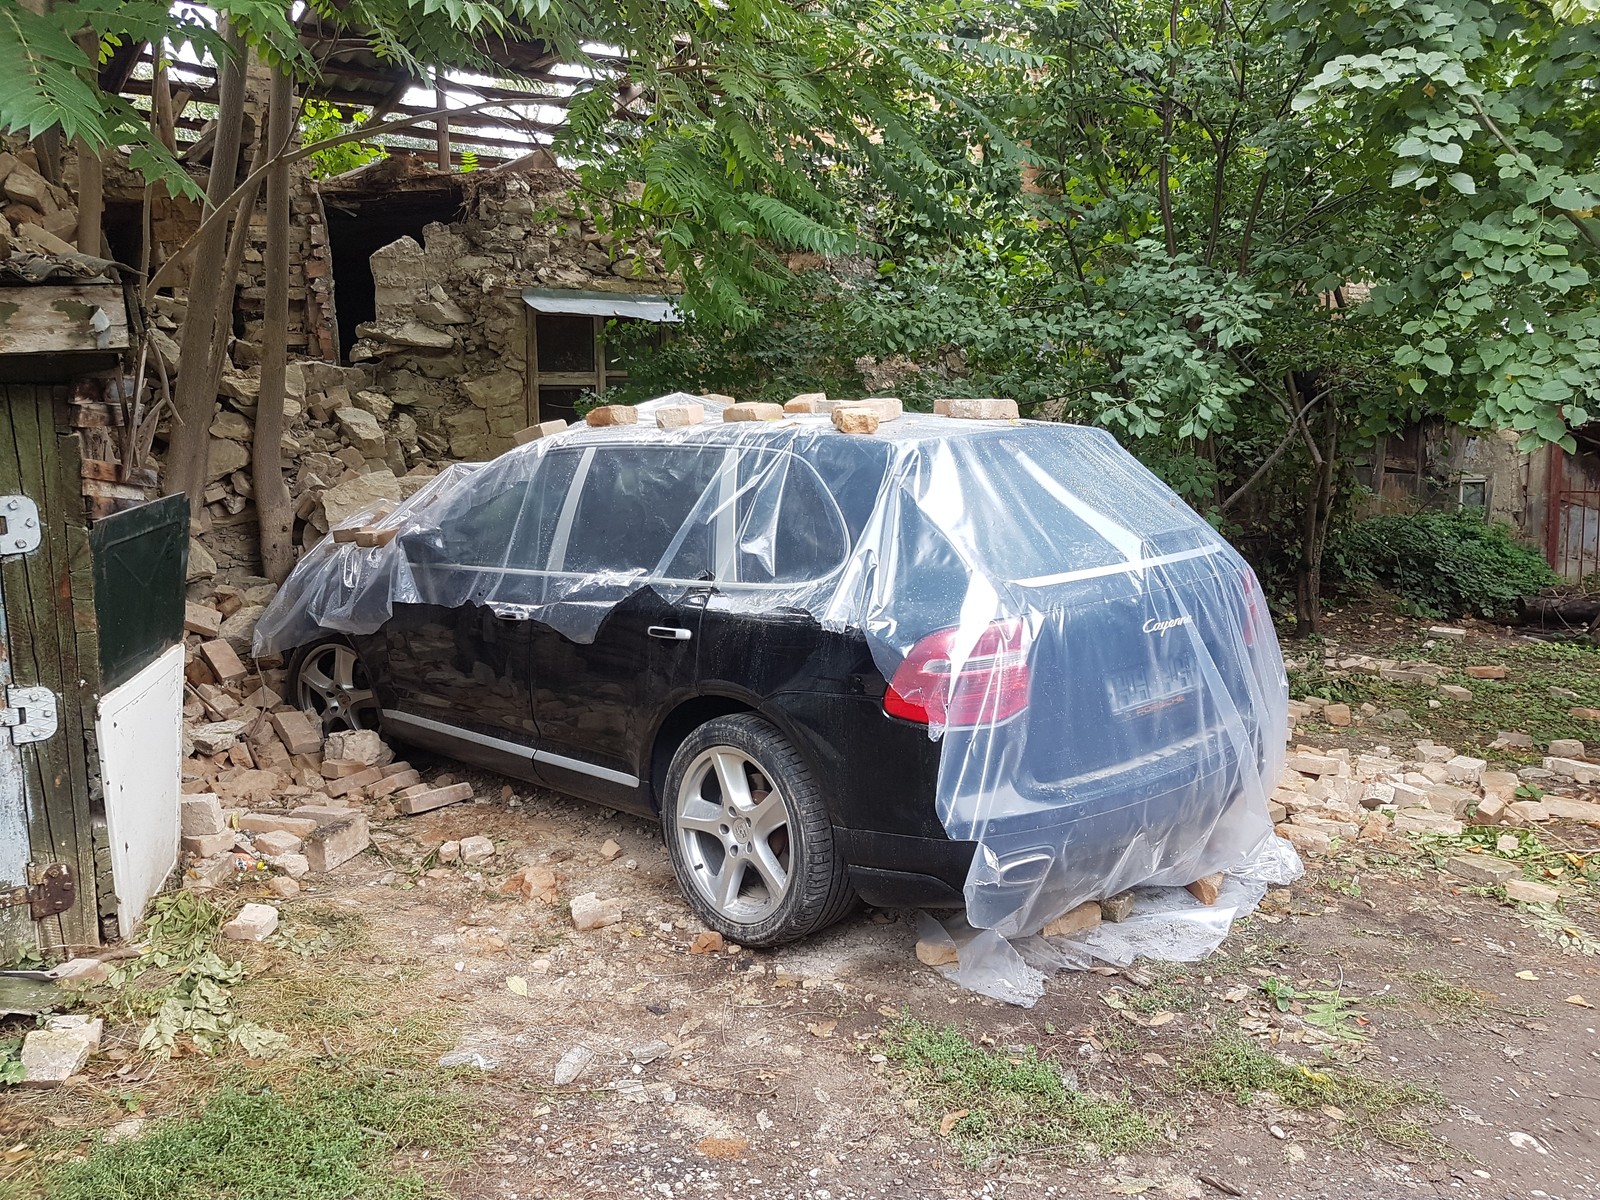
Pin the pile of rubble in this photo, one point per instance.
(263, 789)
(39, 216)
(345, 446)
(1336, 795)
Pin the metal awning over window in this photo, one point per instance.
(602, 304)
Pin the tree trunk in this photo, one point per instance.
(272, 493)
(203, 325)
(1315, 523)
(237, 241)
(163, 120)
(1568, 612)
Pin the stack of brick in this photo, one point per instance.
(1326, 797)
(345, 447)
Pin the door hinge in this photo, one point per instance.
(19, 525)
(50, 890)
(30, 714)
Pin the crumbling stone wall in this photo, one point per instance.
(313, 327)
(438, 375)
(449, 342)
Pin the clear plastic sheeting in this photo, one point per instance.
(1166, 924)
(1096, 661)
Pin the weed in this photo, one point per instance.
(1233, 1065)
(1013, 1101)
(1327, 1009)
(181, 926)
(1440, 994)
(315, 1139)
(11, 1061)
(1331, 1011)
(1281, 992)
(1560, 929)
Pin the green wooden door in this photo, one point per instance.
(50, 649)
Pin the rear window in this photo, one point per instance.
(1042, 503)
(788, 526)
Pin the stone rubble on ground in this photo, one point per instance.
(252, 923)
(54, 1054)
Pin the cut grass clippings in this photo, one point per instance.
(315, 1139)
(1011, 1101)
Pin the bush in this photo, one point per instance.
(1442, 564)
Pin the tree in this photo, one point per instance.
(1230, 246)
(1489, 115)
(274, 509)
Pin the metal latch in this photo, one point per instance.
(50, 890)
(30, 714)
(19, 525)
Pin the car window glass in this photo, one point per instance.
(513, 518)
(635, 503)
(788, 528)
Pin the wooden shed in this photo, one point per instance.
(91, 611)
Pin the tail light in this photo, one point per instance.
(989, 685)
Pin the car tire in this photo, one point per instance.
(328, 681)
(728, 856)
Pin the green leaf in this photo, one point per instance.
(1463, 183)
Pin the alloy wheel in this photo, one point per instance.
(732, 826)
(332, 685)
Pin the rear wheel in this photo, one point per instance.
(328, 680)
(749, 835)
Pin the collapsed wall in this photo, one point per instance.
(449, 342)
(439, 375)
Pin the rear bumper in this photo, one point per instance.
(896, 871)
(1164, 822)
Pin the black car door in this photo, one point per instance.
(634, 563)
(790, 541)
(459, 655)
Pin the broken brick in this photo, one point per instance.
(225, 664)
(433, 798)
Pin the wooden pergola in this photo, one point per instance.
(356, 80)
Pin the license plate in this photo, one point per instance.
(1142, 693)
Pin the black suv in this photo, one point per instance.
(918, 668)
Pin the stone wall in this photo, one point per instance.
(449, 342)
(437, 377)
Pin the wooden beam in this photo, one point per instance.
(441, 129)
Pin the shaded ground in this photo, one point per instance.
(1443, 1046)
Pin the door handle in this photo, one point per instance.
(670, 633)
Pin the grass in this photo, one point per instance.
(346, 1110)
(1233, 1065)
(1450, 999)
(1014, 1102)
(1522, 702)
(311, 1139)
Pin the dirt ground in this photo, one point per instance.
(765, 1074)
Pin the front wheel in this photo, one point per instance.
(328, 680)
(749, 835)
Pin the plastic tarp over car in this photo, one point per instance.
(1096, 660)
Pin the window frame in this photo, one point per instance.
(599, 379)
